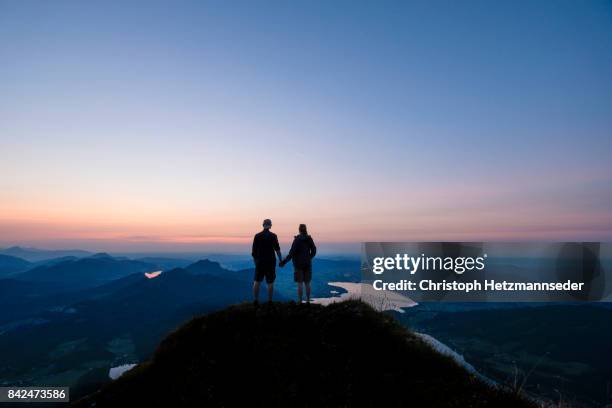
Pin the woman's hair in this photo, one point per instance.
(302, 229)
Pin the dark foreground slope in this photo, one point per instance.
(345, 354)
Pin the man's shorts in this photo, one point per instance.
(267, 270)
(302, 274)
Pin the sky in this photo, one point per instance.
(182, 125)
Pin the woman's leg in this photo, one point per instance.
(299, 292)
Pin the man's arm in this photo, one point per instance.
(277, 249)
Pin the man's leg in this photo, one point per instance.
(307, 292)
(256, 291)
(270, 291)
(299, 292)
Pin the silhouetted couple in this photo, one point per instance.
(266, 249)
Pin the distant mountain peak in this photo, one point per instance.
(206, 262)
(205, 266)
(17, 248)
(101, 255)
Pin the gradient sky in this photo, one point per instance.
(181, 125)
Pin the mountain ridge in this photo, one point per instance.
(36, 254)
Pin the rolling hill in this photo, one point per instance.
(76, 336)
(72, 274)
(10, 265)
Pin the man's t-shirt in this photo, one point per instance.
(265, 245)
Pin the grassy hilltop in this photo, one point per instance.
(345, 354)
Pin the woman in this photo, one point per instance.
(302, 251)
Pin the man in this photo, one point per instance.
(302, 251)
(265, 245)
